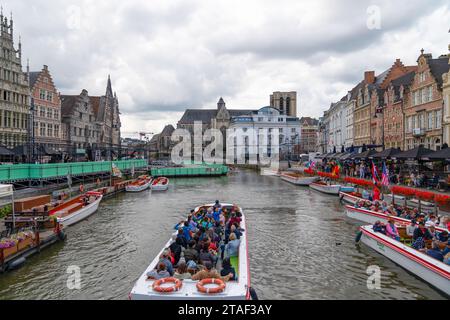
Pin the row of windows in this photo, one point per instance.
(429, 121)
(45, 112)
(10, 119)
(11, 140)
(43, 129)
(423, 95)
(81, 132)
(8, 75)
(13, 97)
(46, 95)
(430, 143)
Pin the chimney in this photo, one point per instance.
(369, 77)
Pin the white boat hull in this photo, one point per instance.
(269, 172)
(160, 187)
(235, 290)
(80, 214)
(427, 268)
(348, 198)
(134, 188)
(304, 181)
(328, 189)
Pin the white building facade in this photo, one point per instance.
(338, 126)
(251, 131)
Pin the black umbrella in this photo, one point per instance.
(386, 154)
(415, 154)
(443, 154)
(364, 155)
(5, 152)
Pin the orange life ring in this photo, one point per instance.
(219, 289)
(157, 285)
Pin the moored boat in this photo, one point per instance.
(77, 209)
(298, 179)
(141, 184)
(368, 216)
(160, 184)
(423, 266)
(350, 197)
(326, 188)
(144, 288)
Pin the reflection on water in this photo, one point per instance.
(301, 245)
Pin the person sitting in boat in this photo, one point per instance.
(191, 254)
(176, 248)
(232, 247)
(210, 273)
(435, 252)
(432, 220)
(228, 269)
(386, 208)
(411, 228)
(391, 230)
(379, 227)
(166, 259)
(159, 273)
(182, 272)
(206, 256)
(446, 251)
(420, 236)
(443, 237)
(216, 214)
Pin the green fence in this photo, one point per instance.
(20, 172)
(206, 170)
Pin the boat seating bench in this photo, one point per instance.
(235, 264)
(70, 209)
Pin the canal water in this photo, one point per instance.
(301, 245)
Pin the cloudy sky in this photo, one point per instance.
(168, 55)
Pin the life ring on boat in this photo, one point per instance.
(157, 285)
(219, 289)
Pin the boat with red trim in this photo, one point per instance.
(423, 266)
(77, 209)
(298, 178)
(160, 184)
(368, 216)
(327, 188)
(146, 289)
(141, 184)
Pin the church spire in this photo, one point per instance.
(109, 92)
(221, 103)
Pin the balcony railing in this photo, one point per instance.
(418, 132)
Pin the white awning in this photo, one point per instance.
(6, 190)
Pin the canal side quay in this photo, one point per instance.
(59, 190)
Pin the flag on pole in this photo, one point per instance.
(374, 174)
(385, 176)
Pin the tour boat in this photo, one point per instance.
(160, 184)
(298, 179)
(77, 209)
(188, 289)
(423, 266)
(269, 172)
(141, 184)
(325, 188)
(368, 216)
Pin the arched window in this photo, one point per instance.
(288, 106)
(282, 105)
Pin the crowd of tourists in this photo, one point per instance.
(421, 233)
(206, 242)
